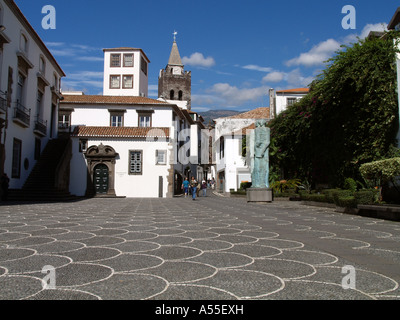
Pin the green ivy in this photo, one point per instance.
(349, 117)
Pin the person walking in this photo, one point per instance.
(204, 188)
(193, 185)
(185, 187)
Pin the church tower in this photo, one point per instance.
(174, 83)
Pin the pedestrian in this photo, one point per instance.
(213, 183)
(193, 185)
(185, 187)
(204, 188)
(5, 181)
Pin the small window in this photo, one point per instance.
(117, 120)
(115, 60)
(38, 148)
(136, 162)
(161, 157)
(127, 82)
(24, 43)
(115, 82)
(180, 95)
(291, 101)
(128, 60)
(42, 65)
(172, 95)
(145, 121)
(64, 120)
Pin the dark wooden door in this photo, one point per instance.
(101, 179)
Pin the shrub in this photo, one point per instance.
(244, 185)
(329, 194)
(350, 184)
(366, 196)
(347, 202)
(313, 197)
(385, 170)
(341, 194)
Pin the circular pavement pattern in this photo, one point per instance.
(212, 248)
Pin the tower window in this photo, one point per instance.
(128, 60)
(180, 95)
(172, 95)
(115, 60)
(115, 82)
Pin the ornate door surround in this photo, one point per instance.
(96, 155)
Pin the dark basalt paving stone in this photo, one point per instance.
(169, 240)
(58, 247)
(10, 236)
(74, 235)
(201, 234)
(245, 284)
(176, 252)
(255, 251)
(308, 290)
(127, 287)
(18, 287)
(136, 246)
(110, 232)
(209, 245)
(34, 263)
(30, 241)
(128, 262)
(284, 269)
(89, 254)
(193, 292)
(175, 271)
(224, 259)
(102, 241)
(63, 294)
(49, 232)
(139, 235)
(7, 254)
(79, 274)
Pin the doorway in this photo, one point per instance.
(101, 175)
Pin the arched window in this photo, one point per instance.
(180, 95)
(172, 95)
(42, 65)
(24, 43)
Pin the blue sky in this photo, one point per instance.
(236, 50)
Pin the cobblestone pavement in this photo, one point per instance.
(213, 248)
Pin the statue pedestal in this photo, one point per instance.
(259, 195)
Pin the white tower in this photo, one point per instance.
(125, 72)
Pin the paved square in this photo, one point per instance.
(211, 248)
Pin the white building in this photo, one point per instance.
(127, 146)
(281, 99)
(125, 72)
(29, 84)
(232, 165)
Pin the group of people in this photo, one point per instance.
(194, 187)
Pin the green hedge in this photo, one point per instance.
(342, 198)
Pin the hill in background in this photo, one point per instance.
(214, 114)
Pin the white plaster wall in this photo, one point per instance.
(140, 80)
(9, 59)
(131, 186)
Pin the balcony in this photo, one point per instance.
(40, 127)
(3, 102)
(22, 115)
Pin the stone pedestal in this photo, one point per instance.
(259, 195)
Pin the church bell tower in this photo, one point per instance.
(174, 83)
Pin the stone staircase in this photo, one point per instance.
(48, 180)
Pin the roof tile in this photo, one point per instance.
(120, 132)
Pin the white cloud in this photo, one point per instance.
(197, 59)
(365, 32)
(257, 68)
(90, 59)
(237, 96)
(296, 79)
(317, 55)
(274, 76)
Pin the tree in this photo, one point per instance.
(349, 117)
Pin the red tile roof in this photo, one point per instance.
(259, 113)
(120, 132)
(297, 90)
(99, 99)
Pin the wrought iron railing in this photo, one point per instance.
(22, 114)
(40, 126)
(3, 102)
